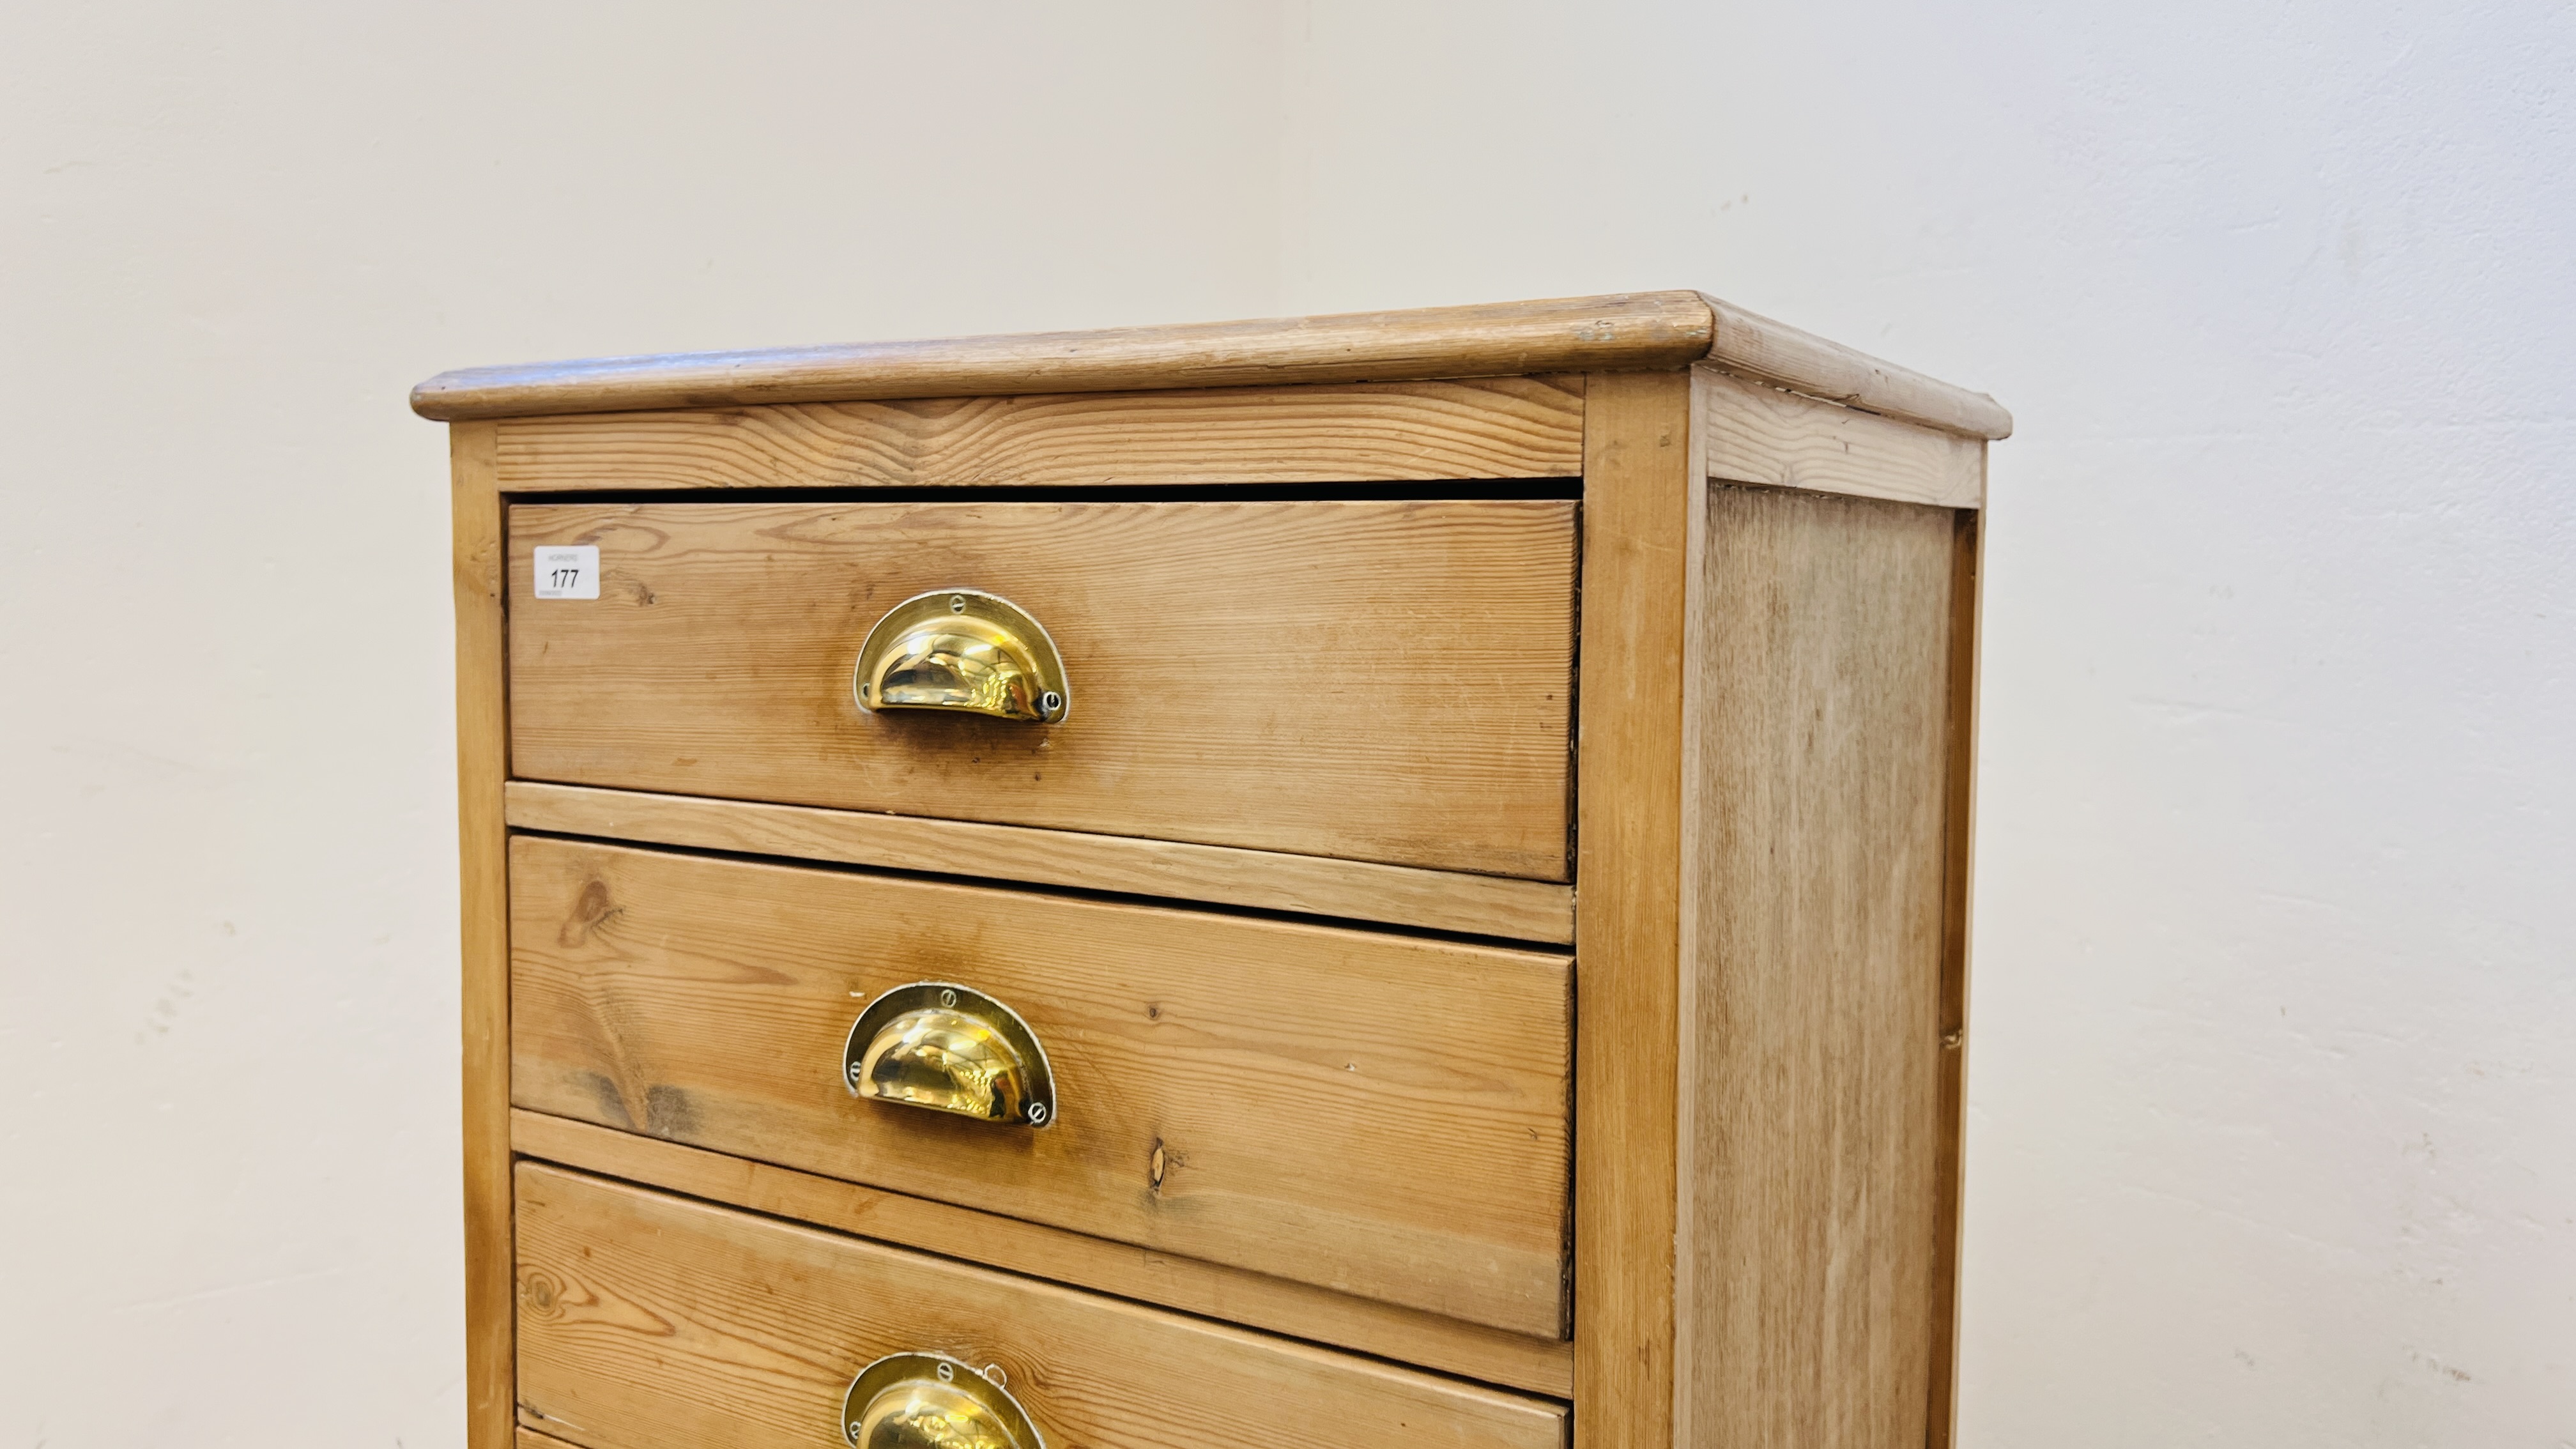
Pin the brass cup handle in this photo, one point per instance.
(962, 650)
(932, 1401)
(949, 1048)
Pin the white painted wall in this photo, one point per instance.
(235, 236)
(2273, 1104)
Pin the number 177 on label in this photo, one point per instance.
(570, 572)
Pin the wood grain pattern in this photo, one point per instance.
(1639, 480)
(1481, 905)
(1817, 865)
(482, 762)
(1755, 434)
(1254, 1300)
(654, 1321)
(531, 1439)
(1383, 681)
(1967, 591)
(1506, 427)
(1575, 334)
(1776, 353)
(1383, 1116)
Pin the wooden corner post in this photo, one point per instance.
(1770, 932)
(482, 765)
(1967, 593)
(1638, 491)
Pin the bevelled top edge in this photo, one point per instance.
(1758, 348)
(1632, 331)
(1614, 333)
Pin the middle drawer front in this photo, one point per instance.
(1381, 1115)
(649, 1322)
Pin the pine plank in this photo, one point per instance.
(1378, 681)
(1817, 866)
(1384, 1116)
(1255, 1300)
(1755, 434)
(1967, 592)
(1479, 905)
(1575, 334)
(1624, 332)
(1775, 353)
(482, 762)
(1507, 427)
(1639, 479)
(654, 1321)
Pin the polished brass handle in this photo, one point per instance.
(932, 1401)
(949, 1048)
(965, 650)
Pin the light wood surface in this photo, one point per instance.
(1639, 480)
(482, 761)
(1719, 1144)
(651, 1322)
(1255, 1300)
(1504, 427)
(1576, 334)
(1967, 591)
(1380, 1115)
(1756, 434)
(1633, 331)
(1481, 905)
(1817, 862)
(1382, 681)
(1756, 347)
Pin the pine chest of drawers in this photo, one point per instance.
(1386, 878)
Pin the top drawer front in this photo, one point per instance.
(1380, 681)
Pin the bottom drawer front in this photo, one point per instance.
(651, 1322)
